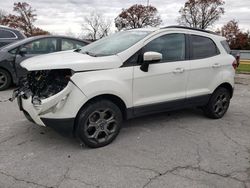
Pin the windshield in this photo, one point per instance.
(115, 43)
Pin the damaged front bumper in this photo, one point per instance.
(57, 111)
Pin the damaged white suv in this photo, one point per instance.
(90, 91)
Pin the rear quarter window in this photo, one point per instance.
(202, 47)
(226, 46)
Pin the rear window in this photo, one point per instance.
(5, 34)
(202, 47)
(226, 46)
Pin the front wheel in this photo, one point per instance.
(218, 103)
(98, 123)
(5, 79)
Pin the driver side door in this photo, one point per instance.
(164, 85)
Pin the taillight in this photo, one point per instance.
(234, 64)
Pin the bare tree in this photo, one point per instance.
(96, 26)
(138, 16)
(201, 13)
(236, 38)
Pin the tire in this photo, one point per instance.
(5, 80)
(98, 123)
(218, 103)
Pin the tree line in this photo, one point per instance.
(200, 14)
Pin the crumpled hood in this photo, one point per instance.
(71, 60)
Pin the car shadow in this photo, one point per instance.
(46, 135)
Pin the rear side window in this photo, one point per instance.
(202, 47)
(68, 44)
(226, 46)
(5, 34)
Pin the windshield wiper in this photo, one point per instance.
(90, 54)
(77, 50)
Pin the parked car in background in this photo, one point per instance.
(125, 75)
(13, 54)
(9, 35)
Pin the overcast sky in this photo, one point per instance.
(64, 16)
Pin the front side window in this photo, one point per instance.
(41, 46)
(171, 46)
(5, 34)
(115, 43)
(68, 44)
(202, 47)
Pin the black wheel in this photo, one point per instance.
(218, 103)
(98, 123)
(5, 80)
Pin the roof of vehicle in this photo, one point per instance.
(26, 40)
(181, 28)
(195, 31)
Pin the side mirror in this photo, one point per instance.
(23, 51)
(150, 57)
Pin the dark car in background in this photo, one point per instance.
(13, 54)
(9, 35)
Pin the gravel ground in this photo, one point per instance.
(177, 149)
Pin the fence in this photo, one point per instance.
(244, 54)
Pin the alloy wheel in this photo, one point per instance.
(101, 125)
(221, 104)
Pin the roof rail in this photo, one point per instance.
(190, 28)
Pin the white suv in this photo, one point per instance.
(90, 91)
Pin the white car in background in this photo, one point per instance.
(89, 92)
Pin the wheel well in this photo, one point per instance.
(113, 98)
(228, 87)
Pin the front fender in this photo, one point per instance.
(117, 82)
(8, 66)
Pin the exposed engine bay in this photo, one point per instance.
(43, 84)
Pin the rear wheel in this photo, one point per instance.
(99, 123)
(218, 103)
(5, 80)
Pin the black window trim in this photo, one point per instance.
(190, 49)
(12, 38)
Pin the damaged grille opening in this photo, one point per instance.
(44, 83)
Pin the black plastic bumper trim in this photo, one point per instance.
(64, 126)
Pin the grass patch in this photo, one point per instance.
(243, 68)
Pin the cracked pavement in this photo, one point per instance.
(176, 149)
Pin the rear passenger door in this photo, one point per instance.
(204, 66)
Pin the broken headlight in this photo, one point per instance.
(44, 84)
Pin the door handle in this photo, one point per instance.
(216, 65)
(178, 70)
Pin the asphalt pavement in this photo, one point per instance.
(177, 149)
